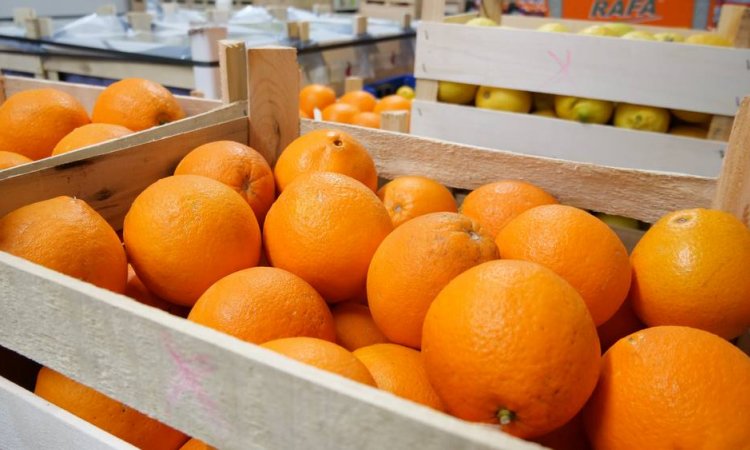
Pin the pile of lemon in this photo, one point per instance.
(587, 110)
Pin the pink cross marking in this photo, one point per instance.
(564, 66)
(189, 378)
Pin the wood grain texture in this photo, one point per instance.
(229, 393)
(166, 74)
(492, 9)
(274, 95)
(87, 94)
(556, 138)
(638, 194)
(233, 71)
(733, 188)
(397, 121)
(734, 24)
(28, 422)
(669, 75)
(353, 84)
(110, 180)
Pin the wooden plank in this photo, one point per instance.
(22, 63)
(231, 394)
(492, 9)
(397, 121)
(87, 94)
(110, 180)
(733, 189)
(166, 74)
(662, 74)
(274, 99)
(734, 23)
(233, 67)
(30, 422)
(638, 194)
(353, 84)
(432, 11)
(556, 138)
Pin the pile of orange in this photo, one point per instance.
(495, 311)
(354, 108)
(38, 123)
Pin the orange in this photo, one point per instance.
(304, 115)
(411, 196)
(340, 112)
(414, 263)
(10, 159)
(34, 121)
(355, 327)
(393, 103)
(325, 151)
(137, 291)
(137, 104)
(325, 228)
(323, 355)
(185, 232)
(195, 444)
(315, 96)
(89, 134)
(671, 387)
(622, 324)
(400, 371)
(264, 303)
(366, 119)
(495, 204)
(239, 167)
(690, 268)
(571, 436)
(106, 413)
(66, 235)
(511, 342)
(578, 247)
(362, 100)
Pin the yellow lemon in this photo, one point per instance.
(688, 131)
(618, 221)
(458, 93)
(545, 113)
(619, 29)
(597, 30)
(639, 36)
(481, 22)
(584, 110)
(503, 99)
(406, 92)
(669, 37)
(640, 117)
(714, 39)
(692, 116)
(554, 27)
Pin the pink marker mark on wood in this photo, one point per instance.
(563, 72)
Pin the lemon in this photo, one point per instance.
(714, 39)
(503, 99)
(687, 130)
(543, 101)
(669, 37)
(639, 36)
(618, 29)
(406, 92)
(584, 110)
(554, 27)
(545, 113)
(481, 22)
(597, 30)
(458, 93)
(640, 117)
(692, 116)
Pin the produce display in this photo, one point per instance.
(586, 110)
(506, 308)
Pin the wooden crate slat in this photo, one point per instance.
(87, 94)
(599, 144)
(30, 422)
(110, 181)
(632, 193)
(692, 77)
(210, 385)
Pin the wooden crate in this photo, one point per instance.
(397, 9)
(236, 395)
(86, 94)
(670, 75)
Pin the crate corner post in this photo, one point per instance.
(273, 99)
(733, 186)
